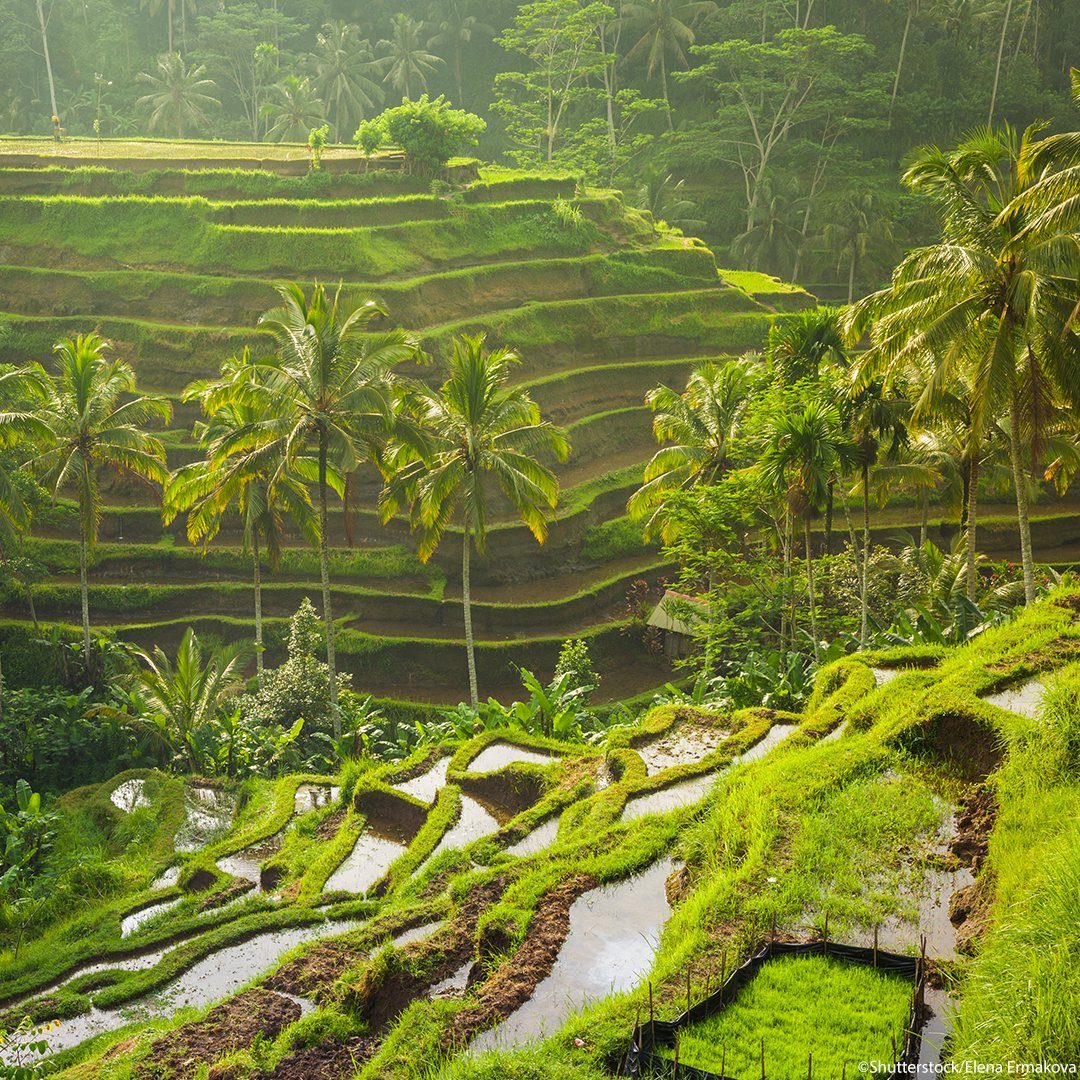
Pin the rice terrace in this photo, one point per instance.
(538, 541)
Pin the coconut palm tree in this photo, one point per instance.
(455, 30)
(178, 95)
(294, 109)
(480, 432)
(991, 307)
(327, 394)
(404, 64)
(247, 482)
(700, 423)
(667, 30)
(96, 420)
(804, 447)
(342, 65)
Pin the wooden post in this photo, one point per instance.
(843, 1072)
(875, 947)
(772, 933)
(894, 1057)
(652, 1023)
(723, 974)
(810, 1066)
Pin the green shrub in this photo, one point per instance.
(430, 132)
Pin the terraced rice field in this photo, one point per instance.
(488, 894)
(173, 261)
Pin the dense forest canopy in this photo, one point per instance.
(774, 128)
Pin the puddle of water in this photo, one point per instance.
(499, 755)
(130, 923)
(426, 786)
(417, 933)
(690, 791)
(129, 796)
(613, 938)
(685, 744)
(473, 823)
(453, 986)
(538, 839)
(773, 737)
(938, 1026)
(247, 864)
(1025, 699)
(366, 864)
(313, 797)
(306, 1005)
(205, 982)
(885, 675)
(167, 879)
(208, 814)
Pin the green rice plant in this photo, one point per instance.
(840, 1013)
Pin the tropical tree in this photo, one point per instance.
(455, 30)
(96, 420)
(404, 63)
(667, 31)
(178, 702)
(178, 95)
(343, 64)
(480, 432)
(991, 307)
(804, 447)
(800, 346)
(249, 483)
(328, 393)
(293, 111)
(700, 423)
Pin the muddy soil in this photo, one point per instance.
(327, 1061)
(683, 745)
(230, 1026)
(970, 748)
(504, 794)
(515, 981)
(233, 891)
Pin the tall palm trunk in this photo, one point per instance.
(924, 517)
(972, 520)
(85, 595)
(830, 499)
(257, 576)
(900, 61)
(324, 573)
(810, 588)
(1023, 510)
(48, 60)
(466, 603)
(864, 575)
(663, 83)
(997, 68)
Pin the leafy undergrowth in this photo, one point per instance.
(800, 1006)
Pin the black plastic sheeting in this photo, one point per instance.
(642, 1062)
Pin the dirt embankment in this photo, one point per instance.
(970, 907)
(515, 981)
(230, 1026)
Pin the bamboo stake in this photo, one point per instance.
(652, 1022)
(875, 947)
(810, 1066)
(688, 990)
(826, 953)
(723, 974)
(894, 1057)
